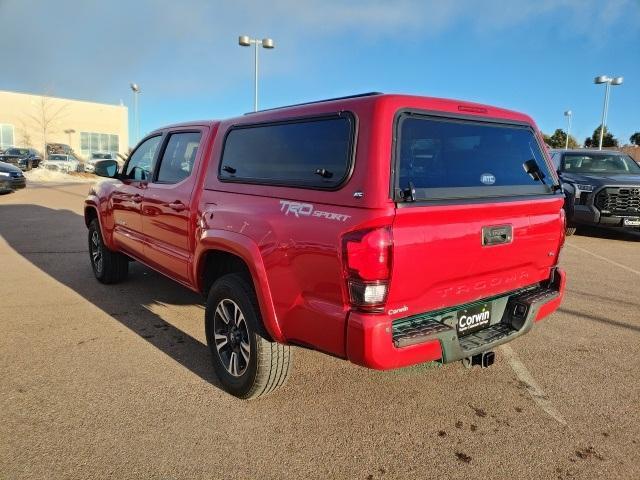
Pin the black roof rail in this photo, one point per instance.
(367, 94)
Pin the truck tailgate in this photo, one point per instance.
(439, 259)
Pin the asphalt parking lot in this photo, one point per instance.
(115, 381)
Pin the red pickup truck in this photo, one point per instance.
(388, 230)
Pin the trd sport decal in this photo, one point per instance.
(308, 210)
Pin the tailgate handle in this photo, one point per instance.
(497, 235)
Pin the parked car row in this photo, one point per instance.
(59, 157)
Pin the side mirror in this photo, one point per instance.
(533, 169)
(106, 168)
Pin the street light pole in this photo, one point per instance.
(246, 41)
(568, 114)
(608, 81)
(135, 88)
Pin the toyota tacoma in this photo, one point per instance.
(387, 230)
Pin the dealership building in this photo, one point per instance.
(28, 120)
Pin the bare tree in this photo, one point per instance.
(25, 136)
(46, 116)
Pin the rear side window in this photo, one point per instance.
(179, 157)
(446, 158)
(314, 153)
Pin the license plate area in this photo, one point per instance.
(473, 318)
(631, 222)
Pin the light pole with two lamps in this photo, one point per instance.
(246, 41)
(608, 81)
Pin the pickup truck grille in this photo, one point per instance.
(619, 201)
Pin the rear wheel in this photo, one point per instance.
(247, 362)
(570, 231)
(108, 266)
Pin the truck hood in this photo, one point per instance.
(601, 180)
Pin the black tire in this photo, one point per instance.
(570, 231)
(261, 365)
(108, 266)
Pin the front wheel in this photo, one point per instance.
(248, 364)
(570, 231)
(108, 266)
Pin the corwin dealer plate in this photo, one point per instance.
(473, 318)
(631, 222)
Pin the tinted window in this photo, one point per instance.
(18, 151)
(141, 163)
(479, 158)
(315, 153)
(599, 164)
(179, 157)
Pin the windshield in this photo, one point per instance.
(448, 158)
(17, 151)
(101, 156)
(599, 163)
(58, 158)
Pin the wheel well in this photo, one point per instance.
(89, 215)
(217, 263)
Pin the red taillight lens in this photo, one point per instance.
(367, 258)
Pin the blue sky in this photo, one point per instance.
(538, 57)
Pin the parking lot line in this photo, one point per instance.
(533, 388)
(628, 269)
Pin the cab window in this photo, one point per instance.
(141, 163)
(179, 157)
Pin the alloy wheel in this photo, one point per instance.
(231, 337)
(96, 251)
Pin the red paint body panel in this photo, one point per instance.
(296, 262)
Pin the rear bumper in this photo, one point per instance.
(371, 341)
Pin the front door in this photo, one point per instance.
(166, 207)
(126, 199)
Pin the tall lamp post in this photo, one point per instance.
(135, 88)
(608, 81)
(568, 114)
(245, 41)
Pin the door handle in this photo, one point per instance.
(137, 198)
(177, 206)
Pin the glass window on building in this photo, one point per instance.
(6, 136)
(98, 142)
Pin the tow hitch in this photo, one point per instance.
(485, 360)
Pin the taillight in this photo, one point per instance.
(367, 256)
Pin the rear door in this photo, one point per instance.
(126, 199)
(471, 222)
(166, 207)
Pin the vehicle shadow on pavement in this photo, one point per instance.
(609, 233)
(55, 241)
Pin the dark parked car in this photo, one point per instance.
(11, 178)
(602, 188)
(24, 158)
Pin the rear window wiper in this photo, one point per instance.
(408, 194)
(533, 170)
(324, 173)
